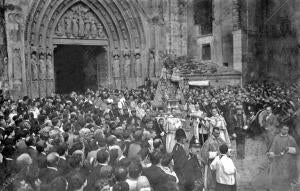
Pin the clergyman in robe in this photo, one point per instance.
(283, 169)
(209, 151)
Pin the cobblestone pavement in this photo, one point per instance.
(253, 166)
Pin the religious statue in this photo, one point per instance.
(50, 75)
(137, 41)
(151, 64)
(138, 65)
(5, 68)
(127, 65)
(87, 26)
(42, 66)
(49, 67)
(34, 66)
(15, 32)
(17, 64)
(75, 26)
(94, 30)
(163, 73)
(43, 73)
(68, 24)
(60, 29)
(101, 31)
(116, 66)
(81, 26)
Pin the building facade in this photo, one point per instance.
(51, 46)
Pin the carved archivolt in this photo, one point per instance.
(115, 21)
(85, 19)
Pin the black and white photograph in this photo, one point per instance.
(149, 95)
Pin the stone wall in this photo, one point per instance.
(15, 17)
(3, 49)
(221, 38)
(281, 56)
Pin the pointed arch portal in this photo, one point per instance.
(115, 25)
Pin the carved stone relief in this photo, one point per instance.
(49, 67)
(127, 67)
(138, 65)
(15, 26)
(79, 22)
(17, 64)
(42, 66)
(116, 65)
(34, 66)
(152, 64)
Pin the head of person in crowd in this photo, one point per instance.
(180, 136)
(155, 158)
(121, 186)
(161, 121)
(239, 109)
(167, 160)
(195, 148)
(103, 156)
(77, 182)
(52, 159)
(223, 149)
(134, 170)
(269, 109)
(214, 111)
(24, 160)
(284, 130)
(216, 132)
(75, 161)
(58, 184)
(102, 185)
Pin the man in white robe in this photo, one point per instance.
(225, 171)
(218, 120)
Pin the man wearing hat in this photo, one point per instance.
(180, 155)
(193, 169)
(240, 129)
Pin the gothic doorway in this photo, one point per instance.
(78, 68)
(116, 24)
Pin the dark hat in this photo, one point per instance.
(180, 134)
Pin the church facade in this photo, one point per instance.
(125, 42)
(49, 46)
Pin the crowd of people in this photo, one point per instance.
(117, 140)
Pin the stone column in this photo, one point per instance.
(33, 72)
(239, 40)
(116, 72)
(50, 84)
(127, 69)
(3, 47)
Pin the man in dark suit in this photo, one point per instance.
(42, 157)
(180, 156)
(31, 149)
(159, 129)
(192, 169)
(240, 130)
(63, 165)
(155, 174)
(46, 175)
(102, 160)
